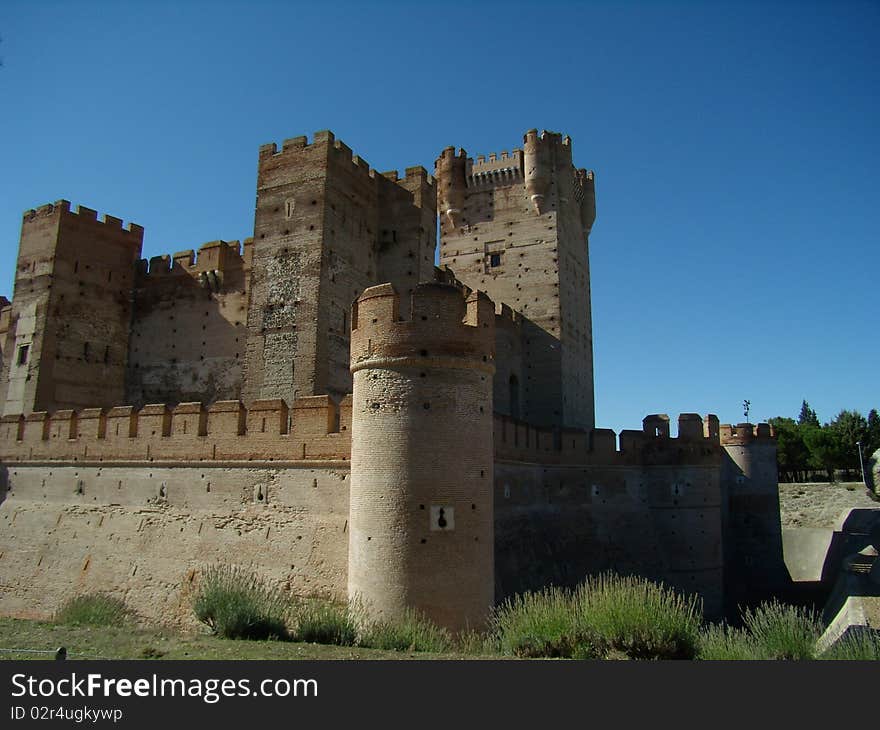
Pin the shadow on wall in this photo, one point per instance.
(188, 336)
(816, 559)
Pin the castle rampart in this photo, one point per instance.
(428, 447)
(188, 332)
(189, 432)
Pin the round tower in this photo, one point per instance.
(450, 171)
(754, 567)
(421, 529)
(538, 169)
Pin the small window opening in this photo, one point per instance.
(23, 354)
(495, 260)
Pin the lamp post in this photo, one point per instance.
(862, 464)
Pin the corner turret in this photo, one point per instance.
(421, 516)
(451, 174)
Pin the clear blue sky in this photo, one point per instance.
(735, 253)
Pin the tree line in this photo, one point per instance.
(805, 446)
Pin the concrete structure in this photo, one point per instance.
(430, 446)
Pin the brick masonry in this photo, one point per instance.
(321, 404)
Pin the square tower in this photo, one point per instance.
(69, 324)
(516, 226)
(326, 227)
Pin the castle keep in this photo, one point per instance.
(323, 405)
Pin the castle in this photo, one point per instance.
(322, 404)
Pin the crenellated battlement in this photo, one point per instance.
(498, 170)
(212, 258)
(313, 428)
(438, 322)
(82, 213)
(745, 433)
(546, 139)
(697, 443)
(342, 152)
(505, 316)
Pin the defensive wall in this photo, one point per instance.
(188, 330)
(137, 501)
(461, 459)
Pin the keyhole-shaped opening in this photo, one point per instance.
(441, 521)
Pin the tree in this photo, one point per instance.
(792, 455)
(824, 449)
(849, 428)
(807, 416)
(872, 438)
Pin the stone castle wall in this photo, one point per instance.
(425, 448)
(188, 331)
(162, 493)
(144, 532)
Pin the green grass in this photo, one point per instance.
(608, 616)
(132, 642)
(236, 604)
(855, 646)
(727, 644)
(546, 623)
(321, 622)
(93, 609)
(782, 631)
(639, 618)
(413, 632)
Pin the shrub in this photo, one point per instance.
(476, 643)
(93, 609)
(543, 624)
(855, 646)
(237, 604)
(727, 643)
(782, 631)
(320, 622)
(639, 618)
(413, 632)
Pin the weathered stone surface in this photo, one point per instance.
(429, 447)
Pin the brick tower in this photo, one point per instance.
(517, 225)
(326, 227)
(421, 526)
(67, 343)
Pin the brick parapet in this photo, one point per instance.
(188, 432)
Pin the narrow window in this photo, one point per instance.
(107, 354)
(514, 397)
(85, 351)
(22, 354)
(495, 260)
